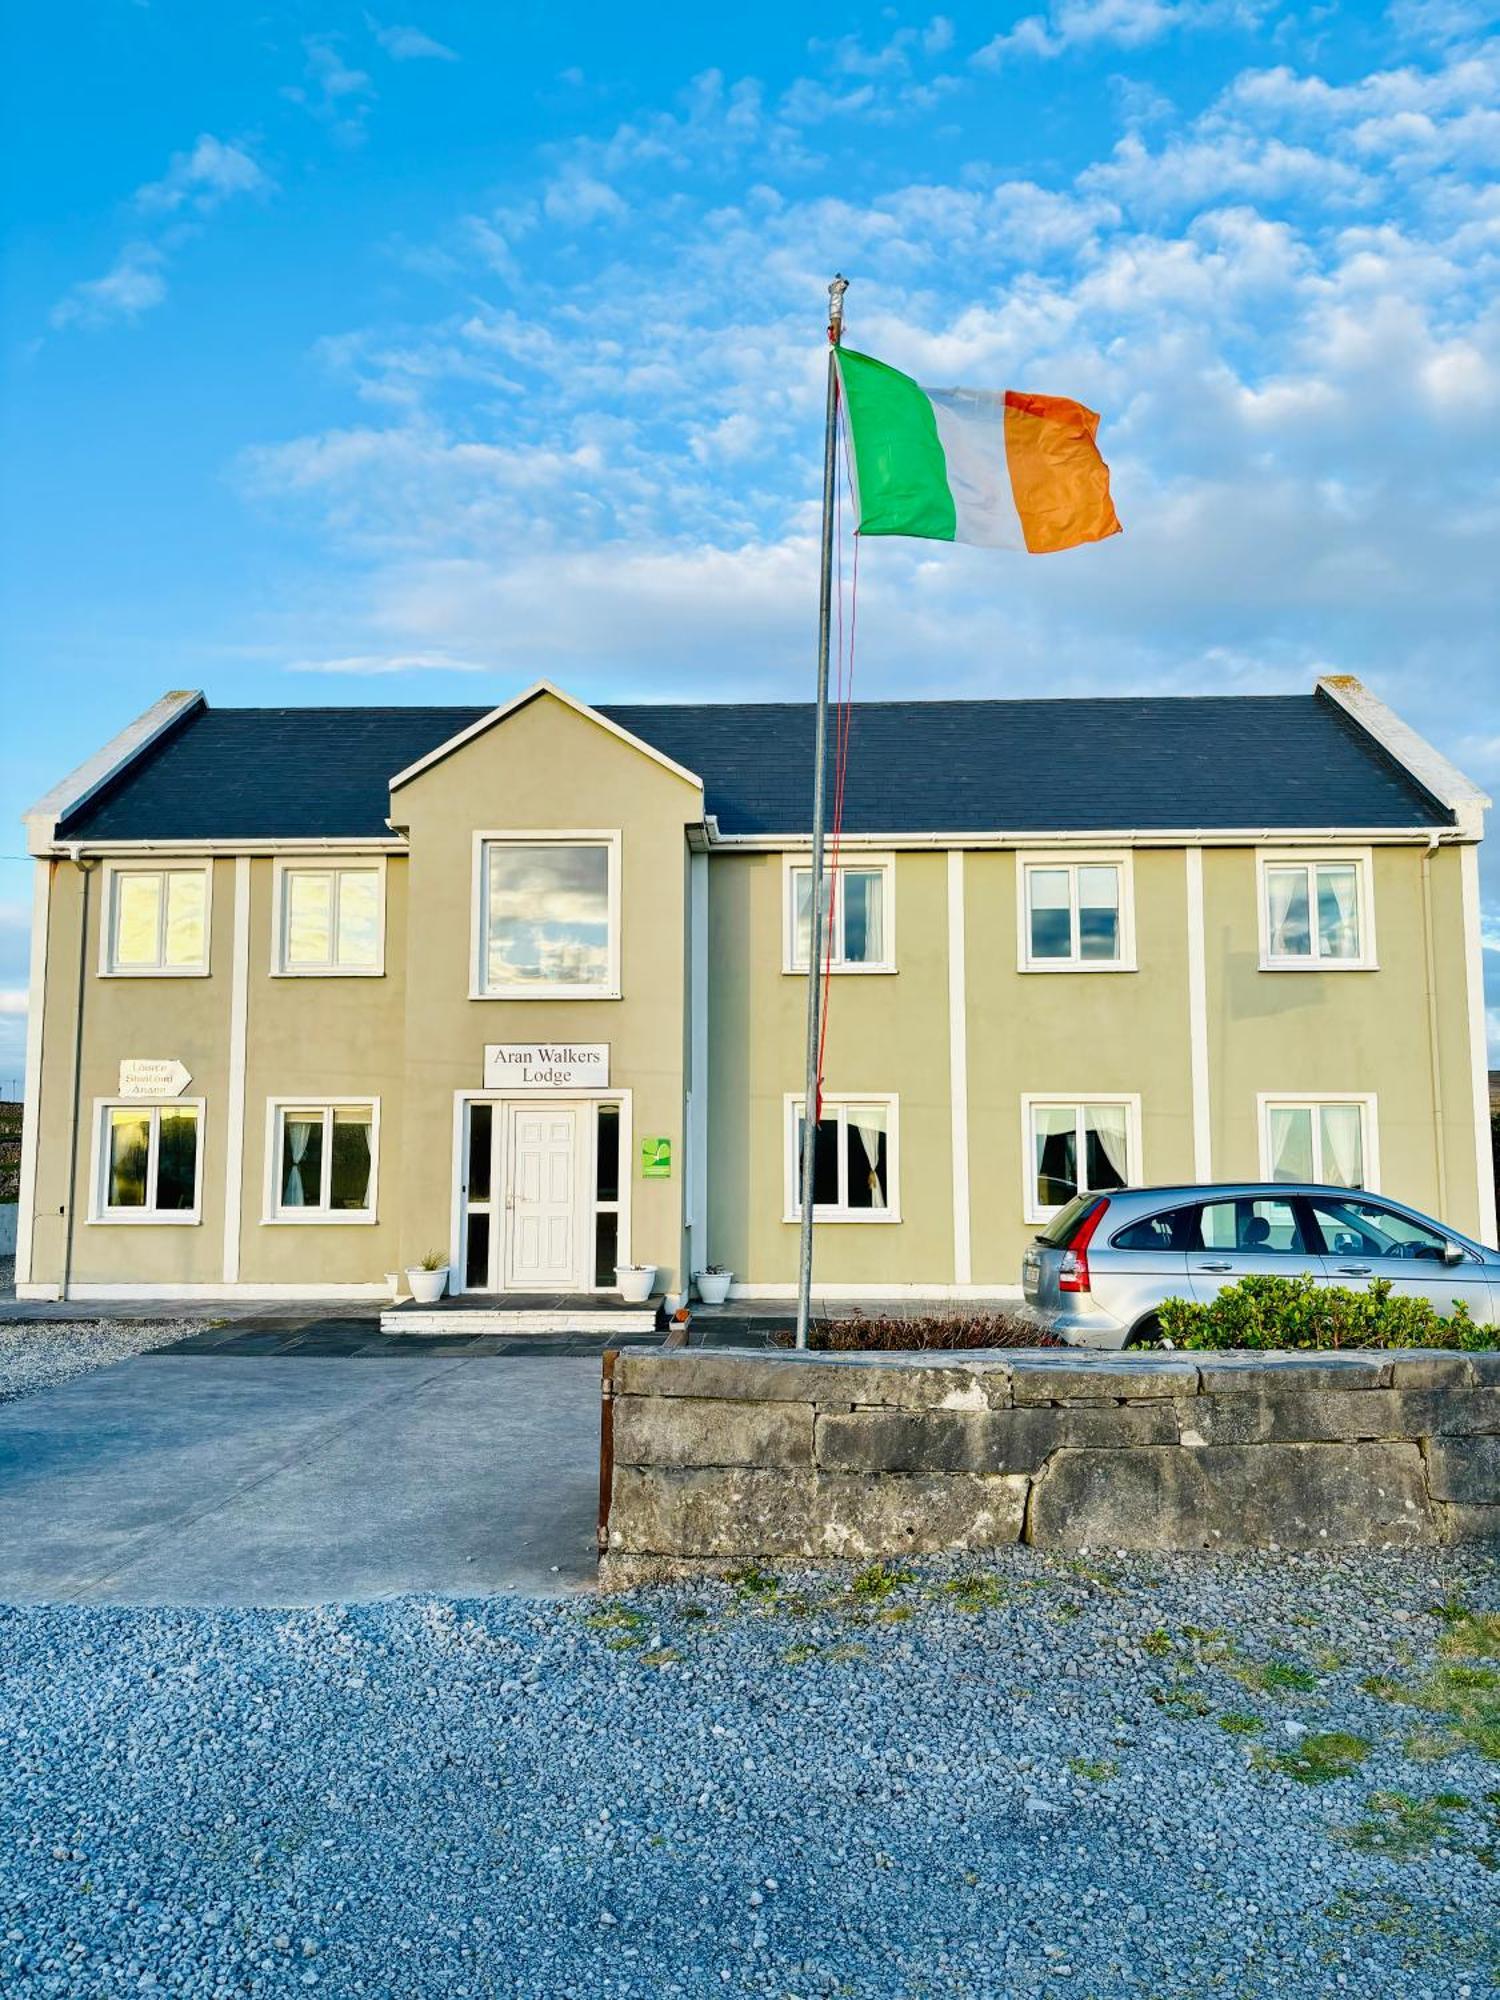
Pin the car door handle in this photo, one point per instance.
(1354, 1270)
(1216, 1267)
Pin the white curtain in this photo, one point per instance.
(1343, 1145)
(299, 1133)
(1291, 1143)
(868, 1128)
(1108, 1160)
(1338, 913)
(1286, 888)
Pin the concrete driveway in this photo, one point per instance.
(234, 1478)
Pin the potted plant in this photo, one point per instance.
(636, 1282)
(713, 1283)
(429, 1279)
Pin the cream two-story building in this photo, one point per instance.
(317, 991)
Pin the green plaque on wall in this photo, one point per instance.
(656, 1159)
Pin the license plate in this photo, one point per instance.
(1031, 1276)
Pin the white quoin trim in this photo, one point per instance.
(523, 700)
(95, 772)
(234, 1107)
(1198, 1020)
(31, 1123)
(958, 1068)
(1488, 1227)
(1440, 779)
(699, 1248)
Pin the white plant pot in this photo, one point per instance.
(427, 1287)
(713, 1286)
(635, 1282)
(397, 1287)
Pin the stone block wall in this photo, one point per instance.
(718, 1456)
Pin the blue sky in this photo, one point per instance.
(404, 356)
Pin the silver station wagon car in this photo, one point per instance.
(1097, 1273)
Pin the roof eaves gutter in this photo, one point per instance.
(94, 773)
(332, 844)
(1427, 767)
(1214, 836)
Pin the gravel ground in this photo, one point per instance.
(40, 1354)
(1011, 1779)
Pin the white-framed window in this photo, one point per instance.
(856, 1170)
(1317, 911)
(1077, 1145)
(148, 1160)
(859, 914)
(1076, 912)
(546, 916)
(156, 921)
(1329, 1139)
(329, 918)
(322, 1159)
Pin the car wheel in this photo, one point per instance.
(1147, 1334)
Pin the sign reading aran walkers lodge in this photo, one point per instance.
(546, 1065)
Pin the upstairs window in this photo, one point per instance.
(548, 919)
(1315, 914)
(1076, 915)
(860, 916)
(330, 920)
(156, 921)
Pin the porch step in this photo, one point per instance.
(520, 1313)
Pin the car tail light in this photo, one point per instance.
(1073, 1272)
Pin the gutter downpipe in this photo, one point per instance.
(1434, 1047)
(86, 870)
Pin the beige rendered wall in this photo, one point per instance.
(545, 767)
(886, 1032)
(183, 1018)
(1073, 1033)
(1349, 1031)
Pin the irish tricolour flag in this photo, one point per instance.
(999, 467)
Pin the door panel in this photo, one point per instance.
(1365, 1239)
(1247, 1236)
(542, 1200)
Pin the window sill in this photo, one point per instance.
(1319, 965)
(861, 1215)
(180, 1218)
(318, 1217)
(1071, 965)
(328, 972)
(841, 971)
(153, 972)
(549, 993)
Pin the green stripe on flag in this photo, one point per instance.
(898, 456)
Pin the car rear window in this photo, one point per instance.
(1174, 1229)
(1060, 1231)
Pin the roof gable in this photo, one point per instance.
(537, 691)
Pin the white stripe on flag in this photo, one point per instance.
(971, 430)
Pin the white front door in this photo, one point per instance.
(541, 1237)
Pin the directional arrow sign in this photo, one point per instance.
(153, 1076)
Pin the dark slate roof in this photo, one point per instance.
(1117, 765)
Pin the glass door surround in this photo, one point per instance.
(488, 1186)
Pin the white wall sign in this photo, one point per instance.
(546, 1065)
(153, 1076)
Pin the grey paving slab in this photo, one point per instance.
(268, 1479)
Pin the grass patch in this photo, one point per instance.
(754, 1582)
(1317, 1759)
(1471, 1635)
(1181, 1700)
(804, 1653)
(1098, 1769)
(880, 1581)
(1275, 1677)
(974, 1593)
(627, 1642)
(693, 1614)
(800, 1654)
(1384, 1688)
(662, 1657)
(616, 1617)
(1235, 1722)
(1397, 1825)
(1158, 1643)
(1467, 1700)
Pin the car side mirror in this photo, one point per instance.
(1452, 1254)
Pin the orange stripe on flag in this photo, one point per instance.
(1060, 482)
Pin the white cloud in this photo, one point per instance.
(1127, 24)
(335, 92)
(131, 286)
(577, 198)
(13, 1000)
(388, 663)
(408, 44)
(202, 179)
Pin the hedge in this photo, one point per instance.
(1301, 1313)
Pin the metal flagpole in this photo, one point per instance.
(817, 913)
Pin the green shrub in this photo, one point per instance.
(1299, 1312)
